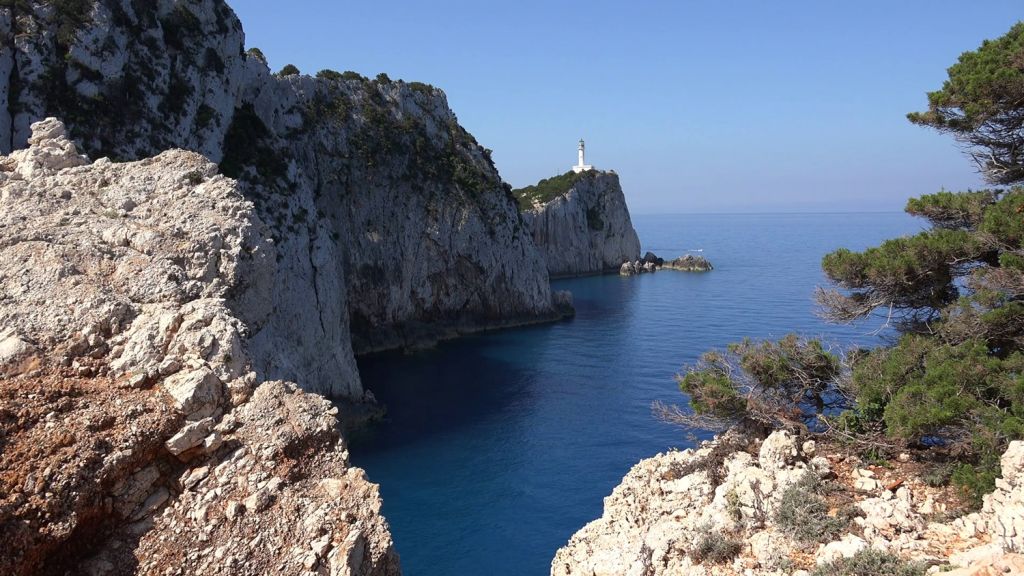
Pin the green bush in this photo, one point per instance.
(975, 481)
(289, 70)
(548, 189)
(422, 88)
(803, 513)
(257, 54)
(328, 74)
(788, 382)
(716, 548)
(350, 75)
(870, 562)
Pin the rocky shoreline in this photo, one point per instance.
(784, 507)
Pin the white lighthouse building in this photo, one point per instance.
(581, 167)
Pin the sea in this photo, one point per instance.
(498, 447)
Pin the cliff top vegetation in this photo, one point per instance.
(549, 188)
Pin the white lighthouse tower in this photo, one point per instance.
(581, 167)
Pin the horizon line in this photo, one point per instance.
(765, 212)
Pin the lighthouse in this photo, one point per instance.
(581, 167)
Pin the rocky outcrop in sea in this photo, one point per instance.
(652, 263)
(390, 224)
(782, 507)
(584, 229)
(138, 435)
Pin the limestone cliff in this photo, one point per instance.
(390, 223)
(581, 223)
(134, 435)
(785, 508)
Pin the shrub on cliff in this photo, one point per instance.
(548, 189)
(954, 292)
(257, 54)
(716, 548)
(328, 74)
(870, 562)
(803, 512)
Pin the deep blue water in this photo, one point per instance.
(498, 447)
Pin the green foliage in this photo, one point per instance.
(350, 75)
(180, 25)
(955, 292)
(212, 62)
(787, 382)
(803, 513)
(256, 54)
(975, 481)
(870, 562)
(422, 88)
(205, 116)
(954, 210)
(248, 143)
(981, 105)
(711, 388)
(71, 16)
(289, 70)
(382, 135)
(328, 74)
(178, 93)
(1004, 220)
(923, 386)
(910, 273)
(383, 78)
(716, 548)
(548, 189)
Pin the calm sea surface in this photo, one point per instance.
(498, 447)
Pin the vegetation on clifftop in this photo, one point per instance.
(548, 189)
(954, 379)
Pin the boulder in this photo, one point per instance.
(689, 263)
(846, 547)
(196, 393)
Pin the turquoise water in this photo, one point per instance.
(498, 447)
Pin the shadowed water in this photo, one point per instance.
(498, 447)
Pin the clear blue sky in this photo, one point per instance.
(710, 106)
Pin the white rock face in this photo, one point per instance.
(587, 230)
(140, 286)
(142, 263)
(667, 503)
(386, 215)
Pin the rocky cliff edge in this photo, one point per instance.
(391, 225)
(135, 436)
(784, 508)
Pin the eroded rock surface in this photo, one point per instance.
(655, 520)
(136, 435)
